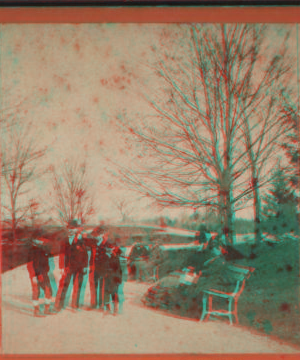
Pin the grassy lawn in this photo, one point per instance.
(270, 302)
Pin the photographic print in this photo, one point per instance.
(149, 188)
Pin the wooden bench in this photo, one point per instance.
(239, 274)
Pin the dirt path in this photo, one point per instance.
(136, 330)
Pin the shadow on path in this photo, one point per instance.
(23, 309)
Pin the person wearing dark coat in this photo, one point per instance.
(202, 234)
(113, 278)
(209, 272)
(98, 267)
(74, 263)
(38, 268)
(140, 258)
(156, 259)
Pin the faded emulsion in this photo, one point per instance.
(150, 188)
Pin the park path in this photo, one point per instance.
(137, 330)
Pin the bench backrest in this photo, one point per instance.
(239, 274)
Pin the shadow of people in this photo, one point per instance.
(24, 308)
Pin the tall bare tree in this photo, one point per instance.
(291, 142)
(261, 103)
(20, 154)
(72, 192)
(208, 87)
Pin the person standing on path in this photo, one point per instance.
(113, 278)
(140, 258)
(98, 266)
(156, 259)
(38, 268)
(73, 263)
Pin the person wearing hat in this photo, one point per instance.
(113, 278)
(98, 266)
(73, 263)
(156, 258)
(38, 268)
(140, 256)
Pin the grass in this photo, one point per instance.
(270, 301)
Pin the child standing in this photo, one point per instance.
(113, 278)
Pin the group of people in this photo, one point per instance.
(103, 266)
(98, 257)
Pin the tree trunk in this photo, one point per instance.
(13, 225)
(230, 225)
(227, 216)
(257, 211)
(14, 233)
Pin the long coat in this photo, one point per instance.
(114, 270)
(38, 260)
(156, 255)
(73, 257)
(99, 259)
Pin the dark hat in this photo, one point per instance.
(99, 230)
(117, 250)
(37, 233)
(109, 244)
(202, 227)
(73, 224)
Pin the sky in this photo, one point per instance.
(73, 81)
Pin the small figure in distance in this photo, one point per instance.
(156, 258)
(140, 258)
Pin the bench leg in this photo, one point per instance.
(230, 311)
(235, 311)
(204, 310)
(210, 298)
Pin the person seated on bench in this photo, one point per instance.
(210, 250)
(211, 272)
(202, 235)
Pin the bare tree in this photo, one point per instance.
(72, 192)
(20, 169)
(209, 89)
(36, 209)
(261, 102)
(125, 208)
(291, 142)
